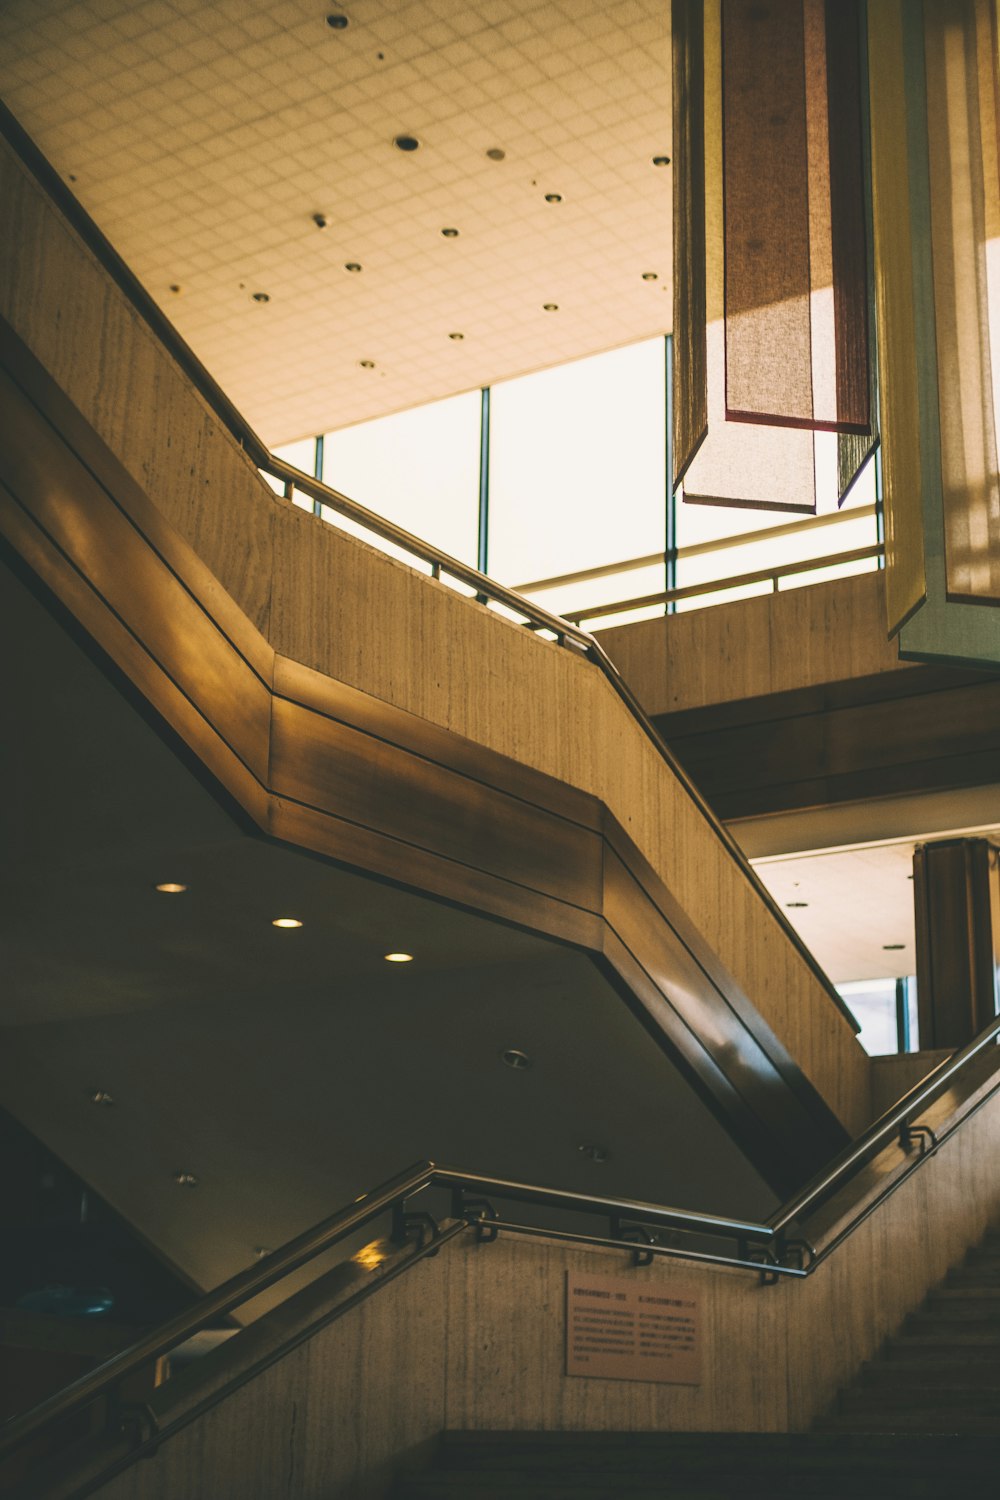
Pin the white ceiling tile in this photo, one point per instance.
(205, 137)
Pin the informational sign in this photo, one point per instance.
(632, 1328)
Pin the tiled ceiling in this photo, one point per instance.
(204, 137)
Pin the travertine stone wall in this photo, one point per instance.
(329, 601)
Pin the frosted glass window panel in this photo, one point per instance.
(578, 465)
(419, 468)
(872, 1003)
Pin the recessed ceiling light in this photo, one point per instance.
(398, 958)
(352, 265)
(286, 922)
(550, 307)
(101, 1096)
(661, 161)
(171, 888)
(496, 154)
(893, 947)
(650, 276)
(337, 23)
(367, 364)
(260, 1251)
(553, 197)
(514, 1058)
(176, 288)
(406, 143)
(456, 336)
(796, 903)
(185, 1179)
(260, 297)
(593, 1152)
(450, 234)
(320, 220)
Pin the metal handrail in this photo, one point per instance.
(216, 1304)
(762, 1247)
(483, 587)
(701, 549)
(882, 1130)
(736, 580)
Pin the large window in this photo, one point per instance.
(717, 542)
(886, 1011)
(419, 468)
(577, 476)
(573, 508)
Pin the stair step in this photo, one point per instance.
(697, 1466)
(903, 1423)
(970, 1401)
(924, 1346)
(684, 1453)
(951, 1374)
(989, 1296)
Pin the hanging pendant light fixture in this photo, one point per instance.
(772, 289)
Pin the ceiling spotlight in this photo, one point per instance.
(367, 364)
(260, 1251)
(550, 307)
(514, 1058)
(893, 947)
(176, 288)
(456, 336)
(286, 922)
(171, 888)
(450, 234)
(320, 220)
(101, 1096)
(351, 265)
(185, 1179)
(650, 276)
(406, 143)
(796, 903)
(661, 161)
(398, 958)
(553, 197)
(337, 23)
(593, 1152)
(496, 154)
(259, 297)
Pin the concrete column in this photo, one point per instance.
(956, 892)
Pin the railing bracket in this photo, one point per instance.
(421, 1226)
(631, 1233)
(914, 1135)
(477, 1212)
(136, 1422)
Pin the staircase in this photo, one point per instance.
(921, 1421)
(941, 1372)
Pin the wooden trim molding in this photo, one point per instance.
(328, 768)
